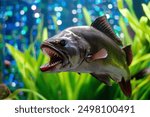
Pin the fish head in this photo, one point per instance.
(65, 50)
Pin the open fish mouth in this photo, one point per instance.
(56, 59)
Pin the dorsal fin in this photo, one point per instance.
(102, 25)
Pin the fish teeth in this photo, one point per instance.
(54, 63)
(54, 54)
(45, 51)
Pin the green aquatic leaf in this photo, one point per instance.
(87, 16)
(140, 46)
(45, 34)
(143, 58)
(22, 59)
(127, 39)
(40, 28)
(14, 94)
(120, 4)
(132, 21)
(130, 6)
(25, 65)
(55, 22)
(146, 10)
(143, 23)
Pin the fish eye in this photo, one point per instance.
(63, 42)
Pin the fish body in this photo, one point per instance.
(91, 49)
(114, 64)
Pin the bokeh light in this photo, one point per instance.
(59, 22)
(36, 15)
(33, 7)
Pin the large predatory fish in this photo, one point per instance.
(91, 49)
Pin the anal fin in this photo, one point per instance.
(125, 87)
(102, 77)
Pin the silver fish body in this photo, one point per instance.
(114, 64)
(90, 49)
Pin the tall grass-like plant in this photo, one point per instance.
(140, 45)
(69, 85)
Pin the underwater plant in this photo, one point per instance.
(69, 85)
(140, 42)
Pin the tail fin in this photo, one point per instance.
(125, 87)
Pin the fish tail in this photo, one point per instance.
(125, 87)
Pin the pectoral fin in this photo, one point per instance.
(101, 54)
(102, 77)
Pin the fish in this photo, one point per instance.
(93, 49)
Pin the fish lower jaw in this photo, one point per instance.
(51, 66)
